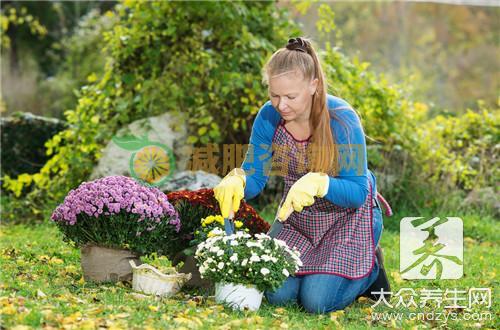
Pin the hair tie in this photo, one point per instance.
(297, 44)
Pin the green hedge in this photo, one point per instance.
(23, 138)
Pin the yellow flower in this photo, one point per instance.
(219, 219)
(210, 234)
(238, 224)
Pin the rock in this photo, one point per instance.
(385, 182)
(165, 129)
(190, 180)
(484, 198)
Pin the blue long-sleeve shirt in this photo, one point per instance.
(347, 189)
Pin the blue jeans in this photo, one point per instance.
(324, 293)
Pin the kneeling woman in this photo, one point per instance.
(330, 202)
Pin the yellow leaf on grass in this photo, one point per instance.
(153, 308)
(397, 277)
(192, 303)
(363, 300)
(72, 318)
(21, 327)
(87, 325)
(335, 316)
(71, 269)
(367, 310)
(280, 310)
(56, 261)
(8, 310)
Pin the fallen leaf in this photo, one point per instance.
(280, 310)
(153, 308)
(397, 277)
(56, 261)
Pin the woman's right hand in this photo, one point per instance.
(230, 191)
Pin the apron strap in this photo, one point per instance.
(387, 207)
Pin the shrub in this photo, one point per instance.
(461, 151)
(22, 155)
(164, 56)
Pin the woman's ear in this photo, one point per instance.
(313, 86)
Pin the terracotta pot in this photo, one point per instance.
(102, 264)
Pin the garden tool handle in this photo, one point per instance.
(287, 215)
(229, 224)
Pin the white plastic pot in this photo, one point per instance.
(238, 296)
(149, 280)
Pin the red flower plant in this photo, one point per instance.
(205, 198)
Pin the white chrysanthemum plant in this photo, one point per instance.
(260, 261)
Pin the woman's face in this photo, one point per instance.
(291, 95)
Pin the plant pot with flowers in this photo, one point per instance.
(243, 267)
(157, 276)
(113, 220)
(195, 206)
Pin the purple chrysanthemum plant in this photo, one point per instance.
(117, 211)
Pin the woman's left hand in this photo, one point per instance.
(302, 192)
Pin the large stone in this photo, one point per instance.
(165, 129)
(484, 198)
(190, 180)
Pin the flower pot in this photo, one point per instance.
(238, 296)
(149, 280)
(102, 264)
(190, 267)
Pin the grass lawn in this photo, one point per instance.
(41, 286)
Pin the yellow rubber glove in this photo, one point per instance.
(230, 191)
(302, 193)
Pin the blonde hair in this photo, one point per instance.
(299, 55)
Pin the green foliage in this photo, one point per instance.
(162, 263)
(81, 63)
(165, 56)
(387, 118)
(37, 27)
(18, 17)
(461, 151)
(443, 52)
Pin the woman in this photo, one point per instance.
(330, 201)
